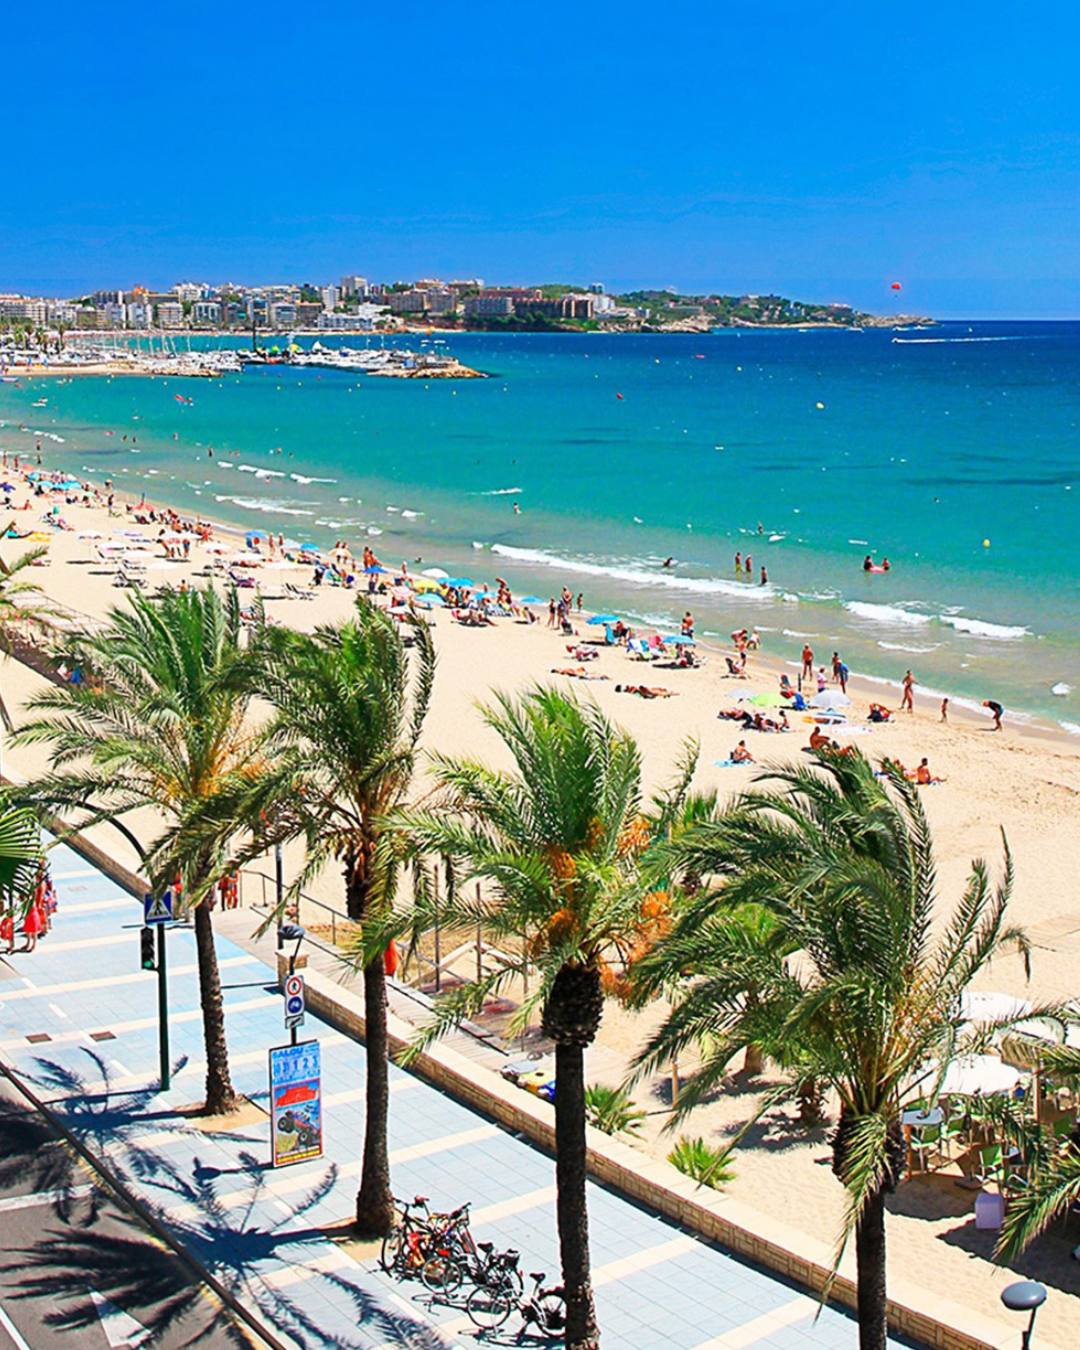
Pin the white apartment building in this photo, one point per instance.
(170, 314)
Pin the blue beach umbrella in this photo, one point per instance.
(603, 618)
(309, 548)
(372, 570)
(430, 599)
(681, 641)
(531, 600)
(459, 582)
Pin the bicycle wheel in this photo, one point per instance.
(551, 1311)
(391, 1253)
(489, 1306)
(442, 1274)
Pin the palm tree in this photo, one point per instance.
(558, 839)
(159, 721)
(345, 729)
(12, 612)
(1053, 1186)
(842, 862)
(20, 853)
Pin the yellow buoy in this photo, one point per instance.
(986, 543)
(819, 405)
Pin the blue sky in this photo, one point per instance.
(818, 149)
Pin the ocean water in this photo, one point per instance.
(953, 452)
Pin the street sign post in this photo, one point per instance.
(158, 911)
(294, 1004)
(295, 1103)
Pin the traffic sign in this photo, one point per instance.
(294, 1001)
(158, 908)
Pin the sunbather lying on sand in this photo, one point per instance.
(644, 690)
(577, 673)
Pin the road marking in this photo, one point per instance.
(740, 1338)
(13, 1331)
(358, 1094)
(83, 943)
(76, 876)
(644, 1260)
(517, 1204)
(13, 1202)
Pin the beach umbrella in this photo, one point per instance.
(461, 583)
(281, 565)
(424, 584)
(436, 574)
(830, 698)
(426, 601)
(979, 1076)
(772, 698)
(603, 618)
(140, 555)
(162, 565)
(531, 600)
(681, 641)
(986, 1007)
(374, 569)
(310, 548)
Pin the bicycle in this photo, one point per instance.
(408, 1244)
(490, 1305)
(458, 1257)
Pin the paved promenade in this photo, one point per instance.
(78, 1018)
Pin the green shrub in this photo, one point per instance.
(708, 1166)
(611, 1110)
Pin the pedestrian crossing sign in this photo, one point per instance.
(158, 908)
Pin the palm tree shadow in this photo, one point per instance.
(231, 1240)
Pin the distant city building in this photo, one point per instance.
(442, 302)
(308, 314)
(489, 306)
(461, 287)
(23, 307)
(282, 314)
(190, 290)
(206, 313)
(407, 302)
(353, 286)
(170, 314)
(331, 297)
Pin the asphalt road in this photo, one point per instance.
(78, 1271)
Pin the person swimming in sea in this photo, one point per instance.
(668, 562)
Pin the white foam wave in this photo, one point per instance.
(634, 575)
(979, 628)
(300, 478)
(901, 647)
(411, 515)
(260, 472)
(1061, 689)
(267, 507)
(890, 614)
(1071, 727)
(501, 492)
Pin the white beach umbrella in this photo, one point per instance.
(139, 555)
(979, 1075)
(436, 574)
(163, 565)
(986, 1007)
(830, 698)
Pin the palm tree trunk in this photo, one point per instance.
(573, 1215)
(220, 1096)
(870, 1265)
(374, 1201)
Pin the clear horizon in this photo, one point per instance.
(820, 152)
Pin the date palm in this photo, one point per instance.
(557, 839)
(16, 611)
(841, 862)
(344, 730)
(159, 722)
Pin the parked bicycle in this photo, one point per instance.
(545, 1309)
(459, 1257)
(414, 1237)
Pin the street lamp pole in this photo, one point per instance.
(1025, 1296)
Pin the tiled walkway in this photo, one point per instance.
(263, 1231)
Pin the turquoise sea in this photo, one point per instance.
(807, 449)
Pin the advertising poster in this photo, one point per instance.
(295, 1103)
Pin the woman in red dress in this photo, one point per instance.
(33, 925)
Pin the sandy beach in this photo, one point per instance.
(1025, 781)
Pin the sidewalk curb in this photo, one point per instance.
(251, 1321)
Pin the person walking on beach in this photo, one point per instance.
(995, 711)
(807, 662)
(944, 709)
(738, 561)
(688, 625)
(908, 699)
(764, 577)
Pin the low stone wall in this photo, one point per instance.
(934, 1322)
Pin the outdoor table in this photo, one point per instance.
(918, 1120)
